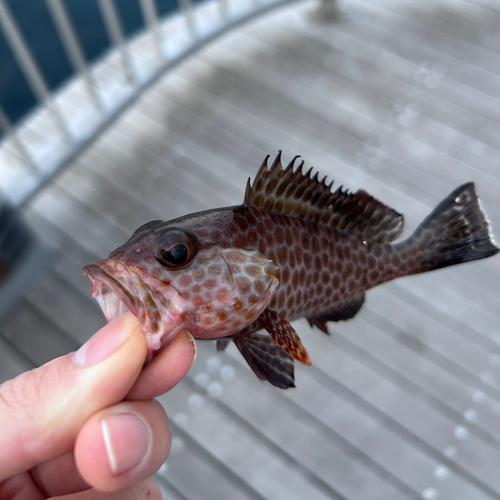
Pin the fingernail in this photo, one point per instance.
(126, 439)
(104, 343)
(192, 344)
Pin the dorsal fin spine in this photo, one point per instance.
(303, 195)
(263, 165)
(249, 194)
(292, 163)
(276, 163)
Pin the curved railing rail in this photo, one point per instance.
(26, 165)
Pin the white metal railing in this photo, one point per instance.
(72, 46)
(202, 23)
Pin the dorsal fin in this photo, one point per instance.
(292, 192)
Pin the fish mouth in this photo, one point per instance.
(111, 294)
(119, 289)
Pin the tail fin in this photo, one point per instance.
(456, 231)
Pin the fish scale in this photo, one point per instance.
(293, 249)
(312, 277)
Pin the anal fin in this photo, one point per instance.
(342, 312)
(284, 334)
(319, 323)
(266, 358)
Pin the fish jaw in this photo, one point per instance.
(119, 289)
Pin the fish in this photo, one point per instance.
(294, 248)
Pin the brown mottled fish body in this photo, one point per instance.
(318, 267)
(294, 249)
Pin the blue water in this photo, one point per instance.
(36, 24)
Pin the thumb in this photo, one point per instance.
(42, 410)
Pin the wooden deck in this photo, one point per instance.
(400, 97)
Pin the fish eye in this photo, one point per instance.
(176, 248)
(176, 256)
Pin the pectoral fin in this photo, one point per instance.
(284, 335)
(266, 358)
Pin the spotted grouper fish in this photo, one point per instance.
(293, 249)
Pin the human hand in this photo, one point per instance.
(84, 425)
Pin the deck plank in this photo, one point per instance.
(405, 409)
(385, 349)
(12, 363)
(372, 438)
(34, 333)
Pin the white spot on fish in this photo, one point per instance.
(120, 267)
(490, 233)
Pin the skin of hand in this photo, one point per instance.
(84, 426)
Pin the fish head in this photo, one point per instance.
(173, 278)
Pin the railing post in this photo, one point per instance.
(7, 129)
(223, 9)
(224, 20)
(115, 33)
(150, 16)
(73, 48)
(187, 10)
(29, 67)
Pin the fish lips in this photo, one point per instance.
(114, 298)
(120, 288)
